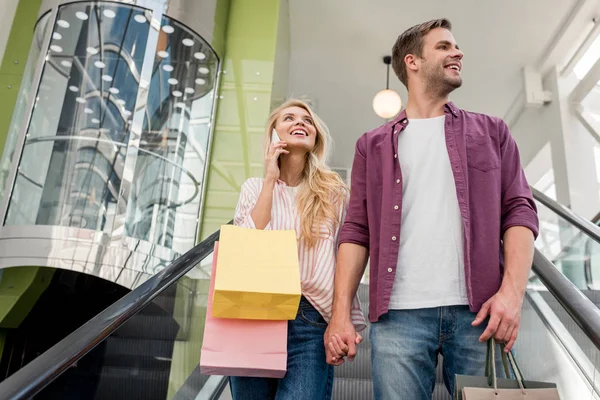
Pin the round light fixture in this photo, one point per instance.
(56, 48)
(199, 55)
(187, 42)
(168, 29)
(177, 93)
(56, 36)
(387, 103)
(107, 78)
(163, 54)
(66, 63)
(92, 50)
(99, 64)
(203, 70)
(140, 18)
(80, 100)
(189, 90)
(62, 23)
(95, 121)
(114, 90)
(81, 15)
(200, 81)
(168, 68)
(109, 14)
(172, 81)
(73, 88)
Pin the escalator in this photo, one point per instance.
(147, 344)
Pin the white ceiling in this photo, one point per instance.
(336, 47)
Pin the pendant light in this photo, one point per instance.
(387, 103)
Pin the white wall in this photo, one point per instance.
(7, 14)
(571, 148)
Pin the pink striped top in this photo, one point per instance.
(317, 263)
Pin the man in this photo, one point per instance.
(441, 206)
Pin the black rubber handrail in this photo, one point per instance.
(586, 226)
(33, 377)
(583, 311)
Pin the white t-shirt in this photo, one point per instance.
(430, 270)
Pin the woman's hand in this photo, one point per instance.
(271, 164)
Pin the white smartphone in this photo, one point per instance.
(274, 137)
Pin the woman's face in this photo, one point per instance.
(296, 127)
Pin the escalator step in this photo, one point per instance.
(360, 368)
(352, 389)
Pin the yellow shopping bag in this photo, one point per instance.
(258, 275)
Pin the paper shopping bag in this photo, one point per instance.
(258, 275)
(490, 387)
(237, 347)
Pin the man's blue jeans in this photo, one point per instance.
(406, 343)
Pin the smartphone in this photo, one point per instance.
(274, 137)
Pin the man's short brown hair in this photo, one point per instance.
(411, 42)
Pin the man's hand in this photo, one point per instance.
(340, 340)
(504, 309)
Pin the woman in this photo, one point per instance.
(299, 192)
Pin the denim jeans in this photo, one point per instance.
(308, 375)
(405, 345)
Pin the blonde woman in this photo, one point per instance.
(299, 192)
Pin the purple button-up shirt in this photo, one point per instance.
(492, 192)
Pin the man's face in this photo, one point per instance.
(441, 62)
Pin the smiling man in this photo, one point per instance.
(441, 206)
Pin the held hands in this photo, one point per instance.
(504, 309)
(271, 164)
(340, 341)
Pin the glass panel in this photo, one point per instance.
(553, 348)
(574, 253)
(154, 355)
(73, 157)
(166, 191)
(25, 94)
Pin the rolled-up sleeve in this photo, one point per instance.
(248, 197)
(356, 225)
(518, 205)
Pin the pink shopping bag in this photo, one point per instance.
(240, 347)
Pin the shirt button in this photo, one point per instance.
(394, 238)
(390, 270)
(395, 155)
(397, 180)
(395, 132)
(395, 207)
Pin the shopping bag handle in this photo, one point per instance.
(490, 365)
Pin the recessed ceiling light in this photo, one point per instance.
(200, 81)
(62, 23)
(168, 29)
(179, 104)
(168, 68)
(56, 48)
(189, 90)
(187, 42)
(163, 54)
(114, 90)
(107, 78)
(88, 110)
(203, 70)
(73, 88)
(172, 81)
(177, 93)
(99, 64)
(121, 102)
(80, 100)
(109, 14)
(56, 36)
(66, 63)
(200, 56)
(81, 15)
(127, 113)
(95, 121)
(92, 50)
(140, 18)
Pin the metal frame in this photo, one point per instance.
(33, 377)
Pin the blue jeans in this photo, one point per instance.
(308, 375)
(405, 345)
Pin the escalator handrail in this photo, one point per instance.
(34, 376)
(583, 311)
(581, 223)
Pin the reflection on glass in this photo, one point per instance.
(75, 153)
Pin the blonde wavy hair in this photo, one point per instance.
(322, 191)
